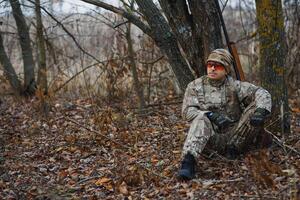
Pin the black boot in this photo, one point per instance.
(187, 171)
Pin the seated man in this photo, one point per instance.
(226, 115)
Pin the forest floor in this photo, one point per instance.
(84, 151)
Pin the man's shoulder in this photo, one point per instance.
(197, 81)
(233, 82)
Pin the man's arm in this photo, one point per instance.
(261, 96)
(191, 106)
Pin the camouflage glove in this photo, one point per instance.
(219, 120)
(259, 117)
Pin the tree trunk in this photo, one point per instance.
(42, 70)
(9, 71)
(137, 85)
(166, 41)
(196, 27)
(273, 54)
(207, 24)
(23, 31)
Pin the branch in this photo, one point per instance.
(281, 143)
(151, 62)
(132, 18)
(84, 69)
(66, 30)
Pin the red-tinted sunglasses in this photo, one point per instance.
(217, 66)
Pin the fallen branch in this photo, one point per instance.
(207, 183)
(88, 179)
(281, 143)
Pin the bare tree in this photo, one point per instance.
(42, 70)
(28, 62)
(159, 30)
(9, 71)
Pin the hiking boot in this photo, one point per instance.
(187, 171)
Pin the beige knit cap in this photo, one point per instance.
(221, 56)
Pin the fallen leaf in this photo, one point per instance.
(123, 188)
(102, 180)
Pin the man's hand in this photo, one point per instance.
(259, 117)
(219, 120)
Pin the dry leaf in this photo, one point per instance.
(102, 180)
(123, 188)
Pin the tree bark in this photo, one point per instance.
(23, 32)
(166, 41)
(207, 24)
(9, 71)
(272, 54)
(196, 27)
(42, 69)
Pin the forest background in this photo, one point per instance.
(91, 97)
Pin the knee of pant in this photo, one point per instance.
(202, 121)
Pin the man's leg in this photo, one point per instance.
(244, 135)
(199, 133)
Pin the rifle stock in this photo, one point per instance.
(237, 61)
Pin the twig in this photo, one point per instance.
(213, 182)
(88, 179)
(97, 132)
(162, 104)
(282, 143)
(255, 196)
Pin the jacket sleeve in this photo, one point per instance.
(191, 106)
(261, 96)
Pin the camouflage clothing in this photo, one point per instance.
(234, 99)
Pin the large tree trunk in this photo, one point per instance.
(9, 71)
(196, 27)
(273, 54)
(166, 41)
(42, 70)
(29, 80)
(205, 16)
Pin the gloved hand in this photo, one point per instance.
(259, 117)
(219, 120)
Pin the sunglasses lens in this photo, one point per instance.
(215, 65)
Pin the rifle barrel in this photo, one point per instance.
(227, 39)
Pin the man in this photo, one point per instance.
(226, 115)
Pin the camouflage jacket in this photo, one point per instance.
(229, 98)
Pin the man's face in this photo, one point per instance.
(215, 70)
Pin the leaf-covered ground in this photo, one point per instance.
(85, 151)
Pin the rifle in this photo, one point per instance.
(231, 47)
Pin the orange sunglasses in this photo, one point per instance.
(217, 66)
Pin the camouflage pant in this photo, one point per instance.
(203, 135)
